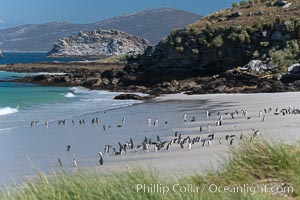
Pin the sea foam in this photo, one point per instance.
(69, 95)
(8, 110)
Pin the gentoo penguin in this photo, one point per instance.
(212, 136)
(176, 134)
(209, 142)
(74, 163)
(73, 122)
(123, 120)
(200, 128)
(207, 114)
(46, 123)
(226, 137)
(130, 143)
(190, 146)
(168, 145)
(106, 149)
(220, 141)
(68, 148)
(158, 138)
(263, 118)
(100, 158)
(260, 113)
(184, 117)
(231, 141)
(193, 119)
(60, 162)
(241, 136)
(208, 126)
(181, 145)
(149, 121)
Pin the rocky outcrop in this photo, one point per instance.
(131, 97)
(99, 43)
(223, 41)
(259, 66)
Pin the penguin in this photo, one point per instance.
(190, 146)
(149, 121)
(68, 148)
(260, 113)
(227, 137)
(176, 134)
(74, 163)
(158, 138)
(60, 162)
(208, 127)
(106, 149)
(209, 142)
(184, 117)
(100, 158)
(212, 136)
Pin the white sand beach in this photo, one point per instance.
(28, 149)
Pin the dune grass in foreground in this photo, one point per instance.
(257, 167)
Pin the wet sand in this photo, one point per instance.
(23, 151)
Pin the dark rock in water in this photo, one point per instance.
(40, 78)
(131, 96)
(100, 43)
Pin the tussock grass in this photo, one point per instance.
(257, 163)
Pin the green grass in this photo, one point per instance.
(256, 163)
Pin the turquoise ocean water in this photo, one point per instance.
(21, 103)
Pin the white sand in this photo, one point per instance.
(24, 150)
(200, 159)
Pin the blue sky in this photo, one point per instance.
(87, 11)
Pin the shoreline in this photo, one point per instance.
(87, 140)
(122, 77)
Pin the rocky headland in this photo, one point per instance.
(99, 43)
(245, 49)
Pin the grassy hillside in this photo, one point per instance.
(257, 164)
(224, 40)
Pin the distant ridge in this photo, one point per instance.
(152, 25)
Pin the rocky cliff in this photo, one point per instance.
(267, 30)
(99, 43)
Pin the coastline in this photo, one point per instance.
(89, 139)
